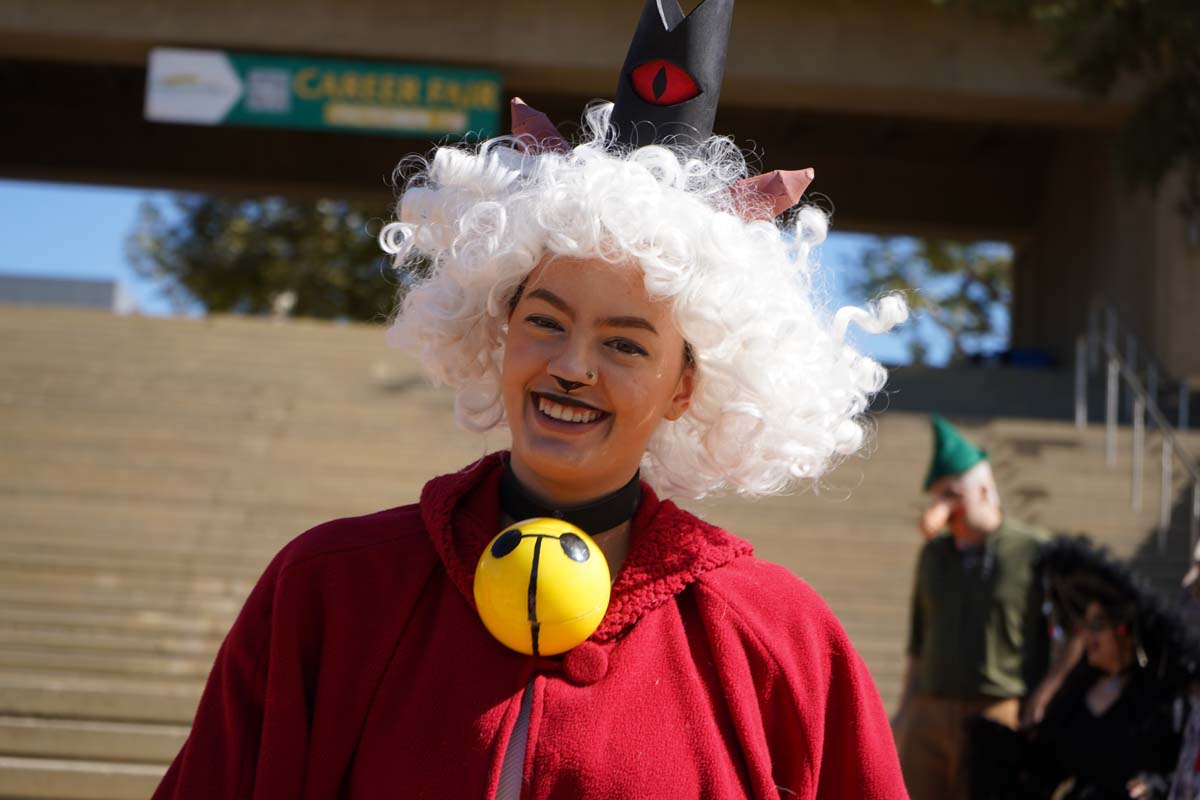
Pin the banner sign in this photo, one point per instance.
(212, 87)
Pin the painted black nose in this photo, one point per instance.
(568, 386)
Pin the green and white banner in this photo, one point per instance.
(212, 87)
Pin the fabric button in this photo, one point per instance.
(586, 664)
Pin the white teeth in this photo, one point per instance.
(566, 413)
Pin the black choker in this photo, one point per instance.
(598, 516)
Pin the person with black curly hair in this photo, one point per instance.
(1113, 729)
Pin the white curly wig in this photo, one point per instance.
(779, 395)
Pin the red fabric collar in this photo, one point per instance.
(671, 548)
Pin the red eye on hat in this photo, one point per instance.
(661, 83)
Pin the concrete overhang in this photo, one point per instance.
(885, 57)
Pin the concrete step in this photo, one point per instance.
(216, 588)
(64, 560)
(97, 698)
(149, 622)
(207, 487)
(37, 737)
(192, 668)
(149, 550)
(83, 640)
(29, 778)
(39, 594)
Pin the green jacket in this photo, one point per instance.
(977, 625)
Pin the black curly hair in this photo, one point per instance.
(1073, 572)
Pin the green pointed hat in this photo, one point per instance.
(952, 453)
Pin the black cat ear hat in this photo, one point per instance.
(667, 94)
(671, 81)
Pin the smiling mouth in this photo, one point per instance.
(563, 409)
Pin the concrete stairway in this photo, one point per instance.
(149, 468)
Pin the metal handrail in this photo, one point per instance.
(1144, 401)
(1135, 354)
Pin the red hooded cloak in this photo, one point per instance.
(358, 668)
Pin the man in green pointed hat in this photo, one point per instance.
(963, 481)
(976, 643)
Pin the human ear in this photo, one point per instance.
(683, 393)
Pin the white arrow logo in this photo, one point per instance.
(193, 86)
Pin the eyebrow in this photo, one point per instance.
(612, 322)
(552, 299)
(629, 322)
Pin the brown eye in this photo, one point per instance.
(626, 347)
(546, 323)
(661, 83)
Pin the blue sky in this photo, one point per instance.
(67, 230)
(71, 231)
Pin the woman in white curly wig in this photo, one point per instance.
(777, 392)
(630, 310)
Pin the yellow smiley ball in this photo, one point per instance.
(542, 586)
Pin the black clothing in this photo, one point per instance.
(1136, 734)
(1101, 753)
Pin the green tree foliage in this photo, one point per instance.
(314, 258)
(964, 290)
(1096, 43)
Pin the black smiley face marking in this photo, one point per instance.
(575, 548)
(506, 543)
(572, 546)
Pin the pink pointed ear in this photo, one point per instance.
(769, 195)
(536, 130)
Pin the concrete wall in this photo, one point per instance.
(1096, 237)
(1174, 327)
(36, 290)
